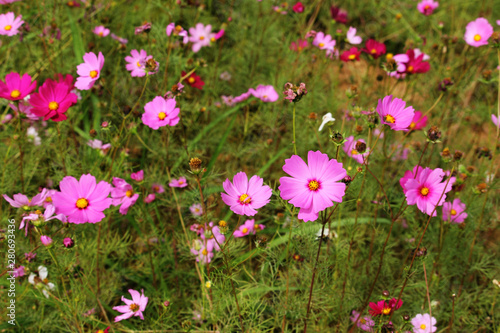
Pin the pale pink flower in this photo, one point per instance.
(427, 7)
(324, 42)
(244, 197)
(89, 71)
(265, 93)
(101, 31)
(160, 112)
(454, 211)
(200, 36)
(181, 182)
(123, 195)
(478, 32)
(10, 24)
(424, 323)
(20, 200)
(352, 38)
(248, 228)
(137, 176)
(134, 307)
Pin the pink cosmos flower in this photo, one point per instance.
(123, 195)
(19, 272)
(101, 31)
(89, 70)
(298, 7)
(374, 48)
(145, 27)
(10, 24)
(157, 188)
(134, 307)
(5, 2)
(366, 323)
(299, 45)
(137, 176)
(401, 61)
(350, 149)
(16, 88)
(200, 36)
(82, 201)
(181, 182)
(150, 198)
(477, 32)
(46, 240)
(426, 7)
(68, 242)
(160, 112)
(210, 233)
(425, 190)
(264, 93)
(177, 31)
(97, 144)
(136, 63)
(352, 38)
(383, 307)
(52, 100)
(25, 107)
(419, 121)
(350, 55)
(395, 113)
(244, 197)
(338, 15)
(424, 323)
(409, 174)
(121, 40)
(248, 228)
(454, 212)
(196, 209)
(47, 215)
(20, 200)
(324, 42)
(314, 186)
(203, 251)
(495, 120)
(416, 62)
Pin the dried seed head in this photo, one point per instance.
(434, 134)
(195, 164)
(360, 147)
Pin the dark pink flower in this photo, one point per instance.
(53, 100)
(374, 49)
(350, 55)
(16, 88)
(298, 7)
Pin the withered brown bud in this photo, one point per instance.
(93, 133)
(380, 77)
(434, 134)
(360, 147)
(487, 74)
(151, 65)
(458, 156)
(483, 152)
(482, 188)
(420, 252)
(406, 317)
(471, 169)
(203, 109)
(386, 293)
(126, 109)
(91, 46)
(359, 129)
(446, 152)
(337, 137)
(195, 164)
(269, 141)
(313, 116)
(495, 37)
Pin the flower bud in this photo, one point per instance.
(195, 164)
(433, 134)
(46, 240)
(68, 242)
(93, 133)
(360, 147)
(337, 138)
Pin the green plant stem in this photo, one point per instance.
(294, 141)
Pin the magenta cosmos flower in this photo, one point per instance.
(20, 200)
(200, 36)
(160, 112)
(181, 182)
(426, 7)
(244, 197)
(478, 32)
(101, 31)
(424, 323)
(123, 195)
(426, 189)
(89, 70)
(383, 307)
(134, 307)
(299, 45)
(157, 188)
(350, 149)
(365, 323)
(10, 24)
(137, 176)
(395, 113)
(324, 42)
(47, 215)
(16, 87)
(374, 49)
(52, 100)
(419, 121)
(454, 211)
(314, 186)
(248, 228)
(136, 63)
(82, 201)
(265, 93)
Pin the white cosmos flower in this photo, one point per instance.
(326, 119)
(352, 38)
(44, 285)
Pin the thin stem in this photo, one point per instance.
(97, 259)
(294, 142)
(427, 288)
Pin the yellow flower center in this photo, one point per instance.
(93, 74)
(424, 191)
(129, 193)
(204, 252)
(427, 7)
(82, 203)
(191, 80)
(53, 106)
(477, 37)
(15, 93)
(99, 331)
(245, 230)
(389, 56)
(321, 44)
(373, 51)
(410, 69)
(245, 199)
(362, 321)
(162, 115)
(101, 33)
(352, 56)
(423, 327)
(212, 39)
(300, 48)
(138, 64)
(134, 307)
(71, 4)
(354, 152)
(390, 119)
(38, 212)
(453, 212)
(202, 37)
(8, 27)
(412, 125)
(386, 311)
(156, 188)
(181, 182)
(48, 199)
(313, 185)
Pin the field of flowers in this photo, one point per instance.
(250, 166)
